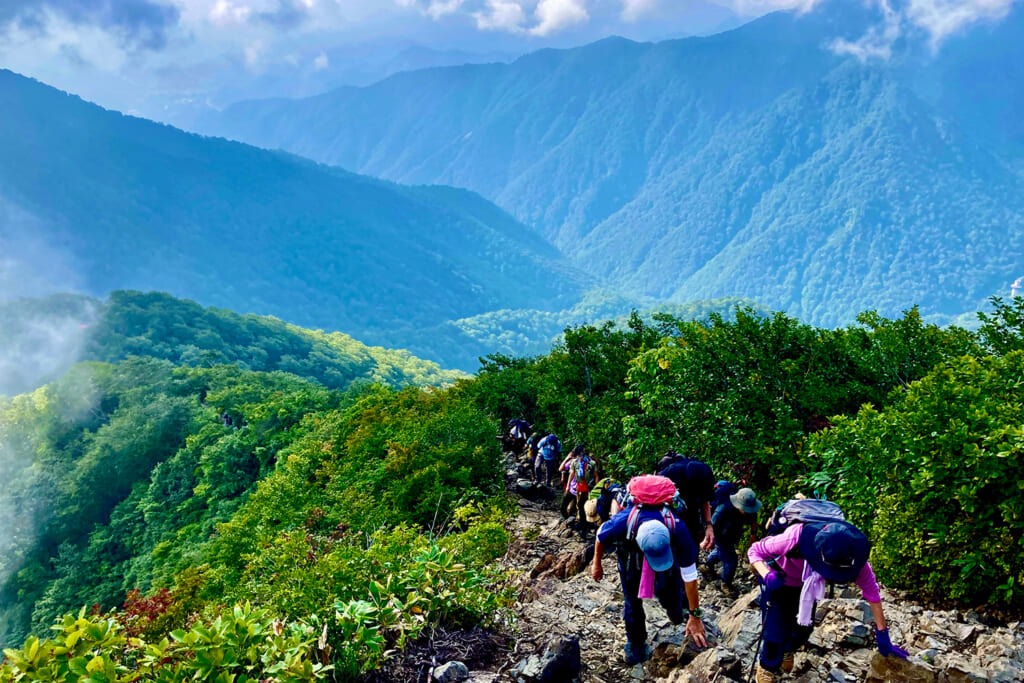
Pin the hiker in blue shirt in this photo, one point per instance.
(550, 450)
(656, 558)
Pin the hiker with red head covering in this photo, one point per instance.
(657, 558)
(795, 566)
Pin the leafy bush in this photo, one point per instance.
(935, 479)
(243, 644)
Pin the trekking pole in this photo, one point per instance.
(760, 637)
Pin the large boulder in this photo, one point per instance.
(452, 672)
(561, 662)
(896, 669)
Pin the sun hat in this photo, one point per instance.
(836, 550)
(656, 543)
(745, 500)
(590, 508)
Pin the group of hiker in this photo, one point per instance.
(657, 524)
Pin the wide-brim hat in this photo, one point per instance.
(836, 550)
(656, 543)
(745, 500)
(590, 508)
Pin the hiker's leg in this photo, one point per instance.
(800, 636)
(730, 560)
(632, 606)
(671, 592)
(779, 618)
(568, 500)
(538, 462)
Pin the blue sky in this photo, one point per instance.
(150, 56)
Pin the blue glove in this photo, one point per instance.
(773, 581)
(886, 647)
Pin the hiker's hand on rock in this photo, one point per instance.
(695, 629)
(597, 572)
(886, 647)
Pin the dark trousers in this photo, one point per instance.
(781, 632)
(541, 464)
(668, 588)
(574, 505)
(726, 553)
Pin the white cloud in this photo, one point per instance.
(442, 8)
(942, 18)
(321, 62)
(877, 42)
(634, 10)
(555, 15)
(225, 13)
(501, 15)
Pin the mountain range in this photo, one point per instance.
(95, 201)
(761, 162)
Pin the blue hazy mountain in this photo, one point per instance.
(755, 163)
(125, 203)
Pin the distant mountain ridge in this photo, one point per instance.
(754, 163)
(128, 203)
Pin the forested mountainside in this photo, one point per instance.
(41, 338)
(220, 521)
(754, 163)
(120, 202)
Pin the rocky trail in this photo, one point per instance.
(569, 627)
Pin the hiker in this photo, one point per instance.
(605, 500)
(549, 449)
(794, 567)
(519, 428)
(533, 448)
(696, 485)
(582, 476)
(734, 510)
(656, 558)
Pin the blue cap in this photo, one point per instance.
(655, 541)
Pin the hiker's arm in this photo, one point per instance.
(597, 571)
(876, 612)
(709, 531)
(694, 626)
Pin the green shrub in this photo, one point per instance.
(936, 480)
(243, 644)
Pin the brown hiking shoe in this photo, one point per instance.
(764, 675)
(787, 662)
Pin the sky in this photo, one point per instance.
(168, 59)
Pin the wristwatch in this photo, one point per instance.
(699, 613)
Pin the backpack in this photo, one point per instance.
(584, 474)
(804, 510)
(633, 520)
(723, 489)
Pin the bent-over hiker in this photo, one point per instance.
(794, 567)
(656, 558)
(736, 512)
(696, 485)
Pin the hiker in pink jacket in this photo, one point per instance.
(795, 567)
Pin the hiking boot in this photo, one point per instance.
(730, 590)
(637, 654)
(787, 662)
(765, 676)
